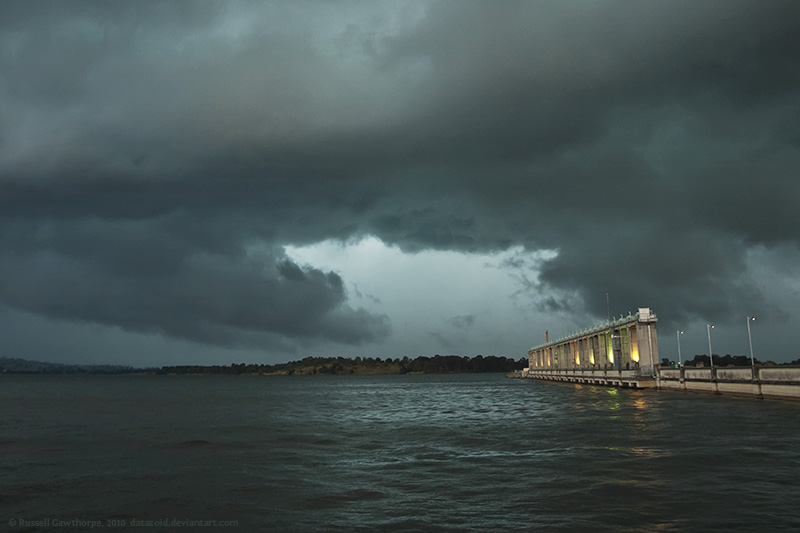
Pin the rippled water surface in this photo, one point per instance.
(394, 453)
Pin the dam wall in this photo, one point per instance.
(766, 382)
(609, 377)
(763, 382)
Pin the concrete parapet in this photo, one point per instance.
(788, 374)
(697, 373)
(773, 382)
(735, 374)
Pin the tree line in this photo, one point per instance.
(13, 365)
(438, 364)
(726, 360)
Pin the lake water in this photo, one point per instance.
(390, 453)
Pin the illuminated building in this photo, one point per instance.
(627, 344)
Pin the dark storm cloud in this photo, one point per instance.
(566, 129)
(155, 157)
(150, 286)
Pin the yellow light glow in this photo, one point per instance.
(635, 354)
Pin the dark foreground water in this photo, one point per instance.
(390, 453)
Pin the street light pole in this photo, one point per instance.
(678, 335)
(750, 337)
(709, 327)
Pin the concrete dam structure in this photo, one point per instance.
(621, 352)
(624, 353)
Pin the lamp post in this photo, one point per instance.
(678, 336)
(709, 327)
(750, 337)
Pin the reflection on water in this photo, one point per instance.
(650, 453)
(640, 401)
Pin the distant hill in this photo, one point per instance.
(10, 365)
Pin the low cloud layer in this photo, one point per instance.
(155, 158)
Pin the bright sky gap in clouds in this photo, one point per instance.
(440, 301)
(216, 182)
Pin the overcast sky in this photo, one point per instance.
(217, 182)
